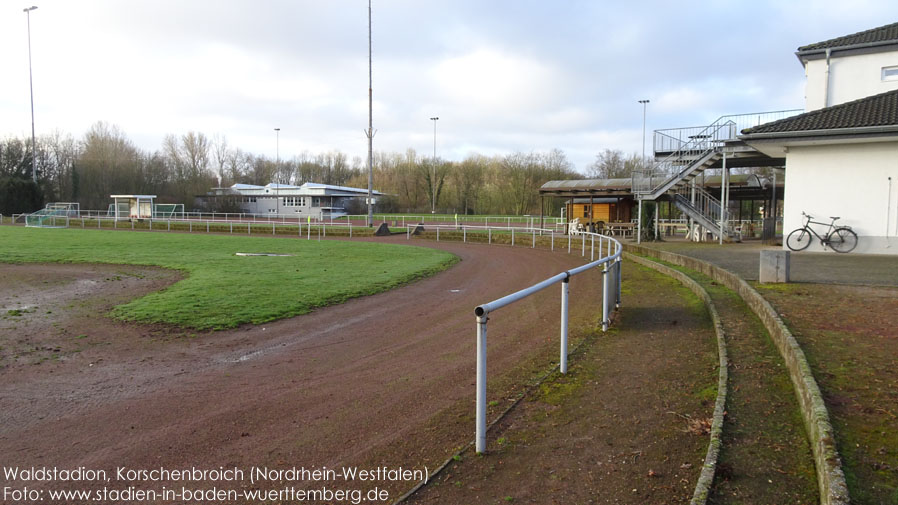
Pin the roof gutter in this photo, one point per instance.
(812, 52)
(826, 81)
(861, 130)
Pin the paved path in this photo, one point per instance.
(822, 267)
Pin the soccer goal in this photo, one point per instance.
(53, 215)
(123, 209)
(168, 210)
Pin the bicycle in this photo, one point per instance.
(841, 238)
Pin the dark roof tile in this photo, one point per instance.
(876, 110)
(875, 35)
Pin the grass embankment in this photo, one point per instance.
(765, 455)
(849, 337)
(221, 289)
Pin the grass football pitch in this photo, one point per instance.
(221, 289)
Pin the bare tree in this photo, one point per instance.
(609, 164)
(220, 155)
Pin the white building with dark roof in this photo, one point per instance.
(318, 201)
(842, 153)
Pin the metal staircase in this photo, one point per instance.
(702, 208)
(689, 152)
(674, 173)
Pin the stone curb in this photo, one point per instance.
(706, 478)
(830, 477)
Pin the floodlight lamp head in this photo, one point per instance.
(434, 118)
(29, 8)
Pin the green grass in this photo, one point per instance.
(221, 290)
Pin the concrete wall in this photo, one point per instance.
(850, 181)
(851, 78)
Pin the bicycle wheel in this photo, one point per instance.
(842, 240)
(799, 240)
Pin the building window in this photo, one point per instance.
(890, 73)
(585, 211)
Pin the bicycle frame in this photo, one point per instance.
(825, 237)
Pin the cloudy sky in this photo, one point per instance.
(502, 75)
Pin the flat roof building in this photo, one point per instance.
(320, 201)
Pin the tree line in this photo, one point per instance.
(105, 162)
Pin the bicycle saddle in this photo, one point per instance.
(834, 218)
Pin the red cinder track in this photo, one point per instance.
(385, 379)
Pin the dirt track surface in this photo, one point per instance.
(385, 380)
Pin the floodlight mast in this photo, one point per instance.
(27, 12)
(277, 174)
(370, 132)
(433, 170)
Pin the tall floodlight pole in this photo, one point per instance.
(644, 104)
(27, 12)
(277, 170)
(433, 170)
(639, 219)
(370, 132)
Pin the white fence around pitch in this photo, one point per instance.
(610, 252)
(298, 227)
(532, 236)
(463, 220)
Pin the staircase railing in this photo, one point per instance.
(672, 167)
(672, 139)
(705, 203)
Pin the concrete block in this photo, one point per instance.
(382, 231)
(774, 266)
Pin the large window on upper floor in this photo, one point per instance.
(890, 73)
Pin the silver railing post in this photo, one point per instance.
(592, 247)
(512, 233)
(619, 264)
(565, 291)
(583, 244)
(606, 284)
(480, 444)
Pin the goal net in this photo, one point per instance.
(168, 210)
(53, 215)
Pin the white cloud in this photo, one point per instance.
(495, 82)
(503, 76)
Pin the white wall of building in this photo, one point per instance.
(850, 181)
(850, 78)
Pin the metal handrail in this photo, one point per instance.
(672, 139)
(611, 280)
(704, 202)
(702, 144)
